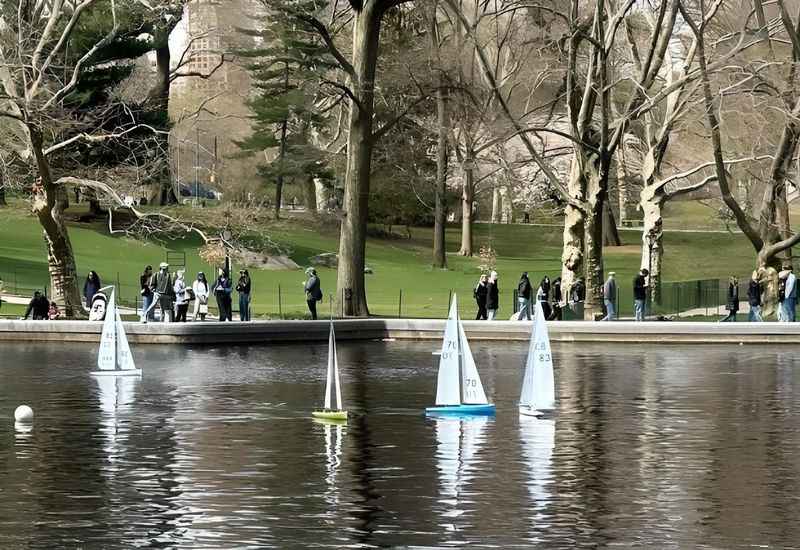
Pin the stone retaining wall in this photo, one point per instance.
(413, 329)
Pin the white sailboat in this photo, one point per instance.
(538, 396)
(458, 388)
(334, 409)
(114, 357)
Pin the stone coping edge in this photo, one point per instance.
(212, 332)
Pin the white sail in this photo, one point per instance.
(124, 355)
(471, 381)
(448, 382)
(336, 381)
(329, 375)
(538, 386)
(107, 356)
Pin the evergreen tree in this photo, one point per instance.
(287, 68)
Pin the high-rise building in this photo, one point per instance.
(209, 108)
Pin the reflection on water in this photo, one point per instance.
(670, 447)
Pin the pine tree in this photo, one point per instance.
(286, 68)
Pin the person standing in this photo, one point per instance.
(754, 299)
(733, 301)
(524, 296)
(479, 293)
(147, 294)
(790, 292)
(640, 295)
(91, 287)
(200, 288)
(313, 290)
(555, 314)
(543, 296)
(163, 291)
(610, 297)
(492, 296)
(222, 291)
(39, 306)
(577, 296)
(181, 300)
(243, 288)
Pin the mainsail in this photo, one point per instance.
(448, 382)
(538, 386)
(471, 381)
(333, 374)
(107, 356)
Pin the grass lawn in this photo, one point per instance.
(398, 264)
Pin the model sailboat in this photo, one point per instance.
(458, 388)
(538, 387)
(114, 357)
(332, 386)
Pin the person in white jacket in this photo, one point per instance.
(200, 288)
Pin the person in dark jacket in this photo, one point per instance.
(610, 297)
(91, 287)
(543, 296)
(313, 290)
(479, 293)
(39, 306)
(754, 299)
(577, 295)
(492, 296)
(555, 315)
(733, 301)
(640, 294)
(243, 288)
(163, 289)
(222, 291)
(524, 297)
(147, 294)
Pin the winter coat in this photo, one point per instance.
(733, 297)
(313, 289)
(578, 292)
(144, 284)
(162, 283)
(754, 294)
(243, 286)
(200, 289)
(640, 288)
(40, 307)
(90, 288)
(524, 288)
(492, 296)
(180, 292)
(610, 290)
(557, 291)
(480, 293)
(222, 286)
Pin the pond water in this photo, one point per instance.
(663, 447)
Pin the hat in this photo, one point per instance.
(612, 273)
(162, 265)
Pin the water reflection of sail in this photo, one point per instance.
(116, 393)
(333, 452)
(538, 436)
(458, 442)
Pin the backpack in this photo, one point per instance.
(781, 290)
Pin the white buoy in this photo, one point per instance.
(23, 413)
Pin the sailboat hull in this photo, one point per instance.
(330, 415)
(127, 372)
(487, 409)
(525, 410)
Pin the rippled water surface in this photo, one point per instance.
(659, 447)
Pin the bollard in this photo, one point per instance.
(280, 306)
(400, 305)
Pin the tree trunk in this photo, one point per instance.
(572, 252)
(506, 209)
(467, 193)
(279, 179)
(159, 93)
(593, 235)
(610, 232)
(652, 225)
(310, 195)
(323, 196)
(2, 191)
(440, 212)
(496, 205)
(49, 205)
(355, 204)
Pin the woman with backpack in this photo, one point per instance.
(492, 296)
(313, 291)
(479, 293)
(524, 296)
